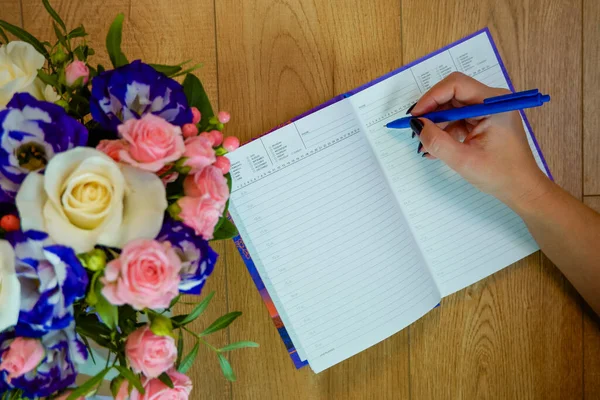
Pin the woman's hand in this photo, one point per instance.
(491, 152)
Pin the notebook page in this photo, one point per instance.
(465, 235)
(327, 236)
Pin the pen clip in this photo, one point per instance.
(511, 96)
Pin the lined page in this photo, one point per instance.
(465, 235)
(327, 236)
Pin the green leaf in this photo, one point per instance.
(3, 37)
(226, 368)
(164, 378)
(197, 97)
(89, 348)
(227, 230)
(198, 310)
(77, 32)
(54, 15)
(188, 361)
(113, 42)
(239, 345)
(88, 386)
(109, 313)
(25, 36)
(168, 70)
(131, 378)
(221, 323)
(179, 348)
(174, 301)
(47, 79)
(189, 70)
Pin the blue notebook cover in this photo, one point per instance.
(239, 241)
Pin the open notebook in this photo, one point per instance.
(348, 233)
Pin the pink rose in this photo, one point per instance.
(150, 354)
(223, 164)
(66, 394)
(208, 182)
(201, 214)
(231, 143)
(146, 275)
(156, 390)
(112, 148)
(22, 356)
(199, 153)
(152, 142)
(74, 71)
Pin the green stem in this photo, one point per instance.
(202, 340)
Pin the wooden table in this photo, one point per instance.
(522, 333)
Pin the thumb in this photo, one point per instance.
(440, 144)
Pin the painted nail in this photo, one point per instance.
(419, 148)
(413, 135)
(416, 125)
(424, 154)
(410, 108)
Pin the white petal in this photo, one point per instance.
(25, 56)
(65, 233)
(10, 287)
(30, 202)
(144, 207)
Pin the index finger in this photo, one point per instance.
(456, 86)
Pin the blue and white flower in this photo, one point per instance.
(198, 258)
(64, 350)
(51, 278)
(31, 133)
(136, 89)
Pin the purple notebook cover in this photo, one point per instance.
(240, 243)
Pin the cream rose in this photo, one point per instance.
(85, 198)
(10, 288)
(19, 65)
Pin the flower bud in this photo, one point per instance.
(161, 325)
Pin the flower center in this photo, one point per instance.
(31, 156)
(86, 200)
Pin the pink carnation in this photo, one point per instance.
(154, 389)
(148, 353)
(112, 148)
(152, 142)
(199, 153)
(146, 275)
(201, 214)
(22, 356)
(208, 182)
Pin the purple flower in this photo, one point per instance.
(198, 259)
(51, 278)
(31, 133)
(57, 371)
(136, 89)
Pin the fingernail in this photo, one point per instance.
(413, 135)
(425, 154)
(419, 148)
(416, 125)
(410, 108)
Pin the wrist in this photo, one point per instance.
(532, 193)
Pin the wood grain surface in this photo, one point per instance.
(523, 333)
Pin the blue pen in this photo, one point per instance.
(493, 105)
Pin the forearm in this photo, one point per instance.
(568, 232)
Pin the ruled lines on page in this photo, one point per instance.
(328, 237)
(465, 235)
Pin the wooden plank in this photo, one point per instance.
(146, 37)
(516, 334)
(591, 337)
(11, 12)
(591, 97)
(276, 60)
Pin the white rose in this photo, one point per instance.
(85, 198)
(19, 65)
(10, 287)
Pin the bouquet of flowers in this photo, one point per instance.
(112, 184)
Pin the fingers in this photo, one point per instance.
(456, 88)
(441, 144)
